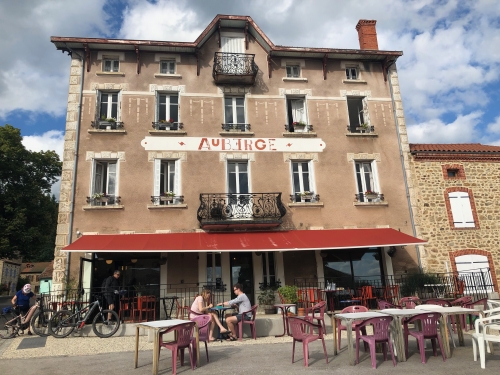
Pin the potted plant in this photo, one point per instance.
(107, 122)
(415, 283)
(267, 299)
(289, 294)
(369, 194)
(139, 289)
(167, 196)
(99, 197)
(166, 124)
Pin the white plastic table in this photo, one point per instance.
(158, 326)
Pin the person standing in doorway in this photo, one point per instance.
(243, 304)
(111, 289)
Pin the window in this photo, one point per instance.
(168, 108)
(344, 267)
(461, 210)
(108, 105)
(105, 181)
(296, 111)
(237, 177)
(351, 73)
(167, 67)
(452, 173)
(293, 71)
(358, 114)
(167, 181)
(234, 110)
(302, 181)
(366, 180)
(110, 65)
(268, 269)
(214, 270)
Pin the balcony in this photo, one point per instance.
(162, 125)
(369, 197)
(255, 210)
(106, 125)
(236, 127)
(361, 130)
(103, 200)
(238, 68)
(164, 200)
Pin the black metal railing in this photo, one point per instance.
(234, 64)
(360, 129)
(235, 127)
(159, 125)
(364, 197)
(301, 197)
(291, 128)
(167, 199)
(105, 200)
(255, 206)
(106, 125)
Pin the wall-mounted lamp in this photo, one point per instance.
(258, 253)
(392, 251)
(109, 261)
(133, 260)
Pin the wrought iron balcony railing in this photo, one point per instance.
(106, 200)
(304, 198)
(251, 209)
(236, 127)
(106, 125)
(159, 125)
(234, 67)
(164, 200)
(361, 129)
(364, 197)
(291, 128)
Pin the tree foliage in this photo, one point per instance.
(28, 212)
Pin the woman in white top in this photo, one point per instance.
(201, 305)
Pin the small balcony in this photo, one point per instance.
(103, 200)
(361, 129)
(235, 127)
(298, 128)
(238, 68)
(254, 210)
(171, 126)
(165, 200)
(369, 197)
(106, 125)
(304, 197)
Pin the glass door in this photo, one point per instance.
(238, 189)
(242, 272)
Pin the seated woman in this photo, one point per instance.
(201, 306)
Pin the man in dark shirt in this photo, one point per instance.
(110, 289)
(22, 301)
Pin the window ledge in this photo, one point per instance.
(299, 135)
(119, 74)
(354, 81)
(108, 207)
(175, 133)
(371, 204)
(104, 131)
(238, 133)
(161, 75)
(166, 206)
(300, 79)
(361, 135)
(306, 204)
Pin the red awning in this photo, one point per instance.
(243, 241)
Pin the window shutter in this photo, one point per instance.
(99, 170)
(177, 180)
(157, 175)
(366, 114)
(97, 105)
(119, 107)
(456, 209)
(467, 211)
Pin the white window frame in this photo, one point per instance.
(295, 113)
(293, 71)
(167, 95)
(234, 109)
(267, 271)
(171, 66)
(160, 167)
(109, 111)
(461, 209)
(114, 65)
(104, 188)
(300, 174)
(360, 178)
(363, 114)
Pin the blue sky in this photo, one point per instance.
(449, 73)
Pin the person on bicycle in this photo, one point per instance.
(111, 287)
(21, 301)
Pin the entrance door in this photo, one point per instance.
(86, 277)
(242, 272)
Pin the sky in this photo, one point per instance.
(449, 72)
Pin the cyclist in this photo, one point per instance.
(21, 301)
(111, 287)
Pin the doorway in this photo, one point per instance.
(242, 272)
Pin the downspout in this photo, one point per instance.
(412, 220)
(77, 139)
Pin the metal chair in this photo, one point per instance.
(380, 336)
(302, 331)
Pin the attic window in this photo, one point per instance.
(452, 173)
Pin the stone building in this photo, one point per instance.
(454, 197)
(232, 159)
(9, 273)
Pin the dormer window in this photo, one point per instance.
(293, 71)
(109, 65)
(167, 67)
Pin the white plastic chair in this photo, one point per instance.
(482, 335)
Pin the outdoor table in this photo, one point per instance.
(396, 328)
(285, 308)
(348, 318)
(220, 311)
(172, 300)
(445, 312)
(158, 326)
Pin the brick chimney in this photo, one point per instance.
(367, 34)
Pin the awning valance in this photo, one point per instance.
(243, 241)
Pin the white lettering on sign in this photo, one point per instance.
(233, 144)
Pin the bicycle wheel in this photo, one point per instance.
(40, 322)
(62, 324)
(104, 328)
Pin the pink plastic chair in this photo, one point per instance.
(462, 301)
(439, 302)
(317, 313)
(380, 336)
(430, 326)
(251, 322)
(184, 334)
(409, 302)
(203, 322)
(340, 327)
(302, 331)
(386, 305)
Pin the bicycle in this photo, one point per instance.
(64, 322)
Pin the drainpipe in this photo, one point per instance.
(401, 157)
(77, 139)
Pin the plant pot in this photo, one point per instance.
(167, 199)
(371, 196)
(108, 127)
(268, 310)
(302, 312)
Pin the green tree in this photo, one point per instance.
(28, 212)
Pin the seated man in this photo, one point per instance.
(243, 305)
